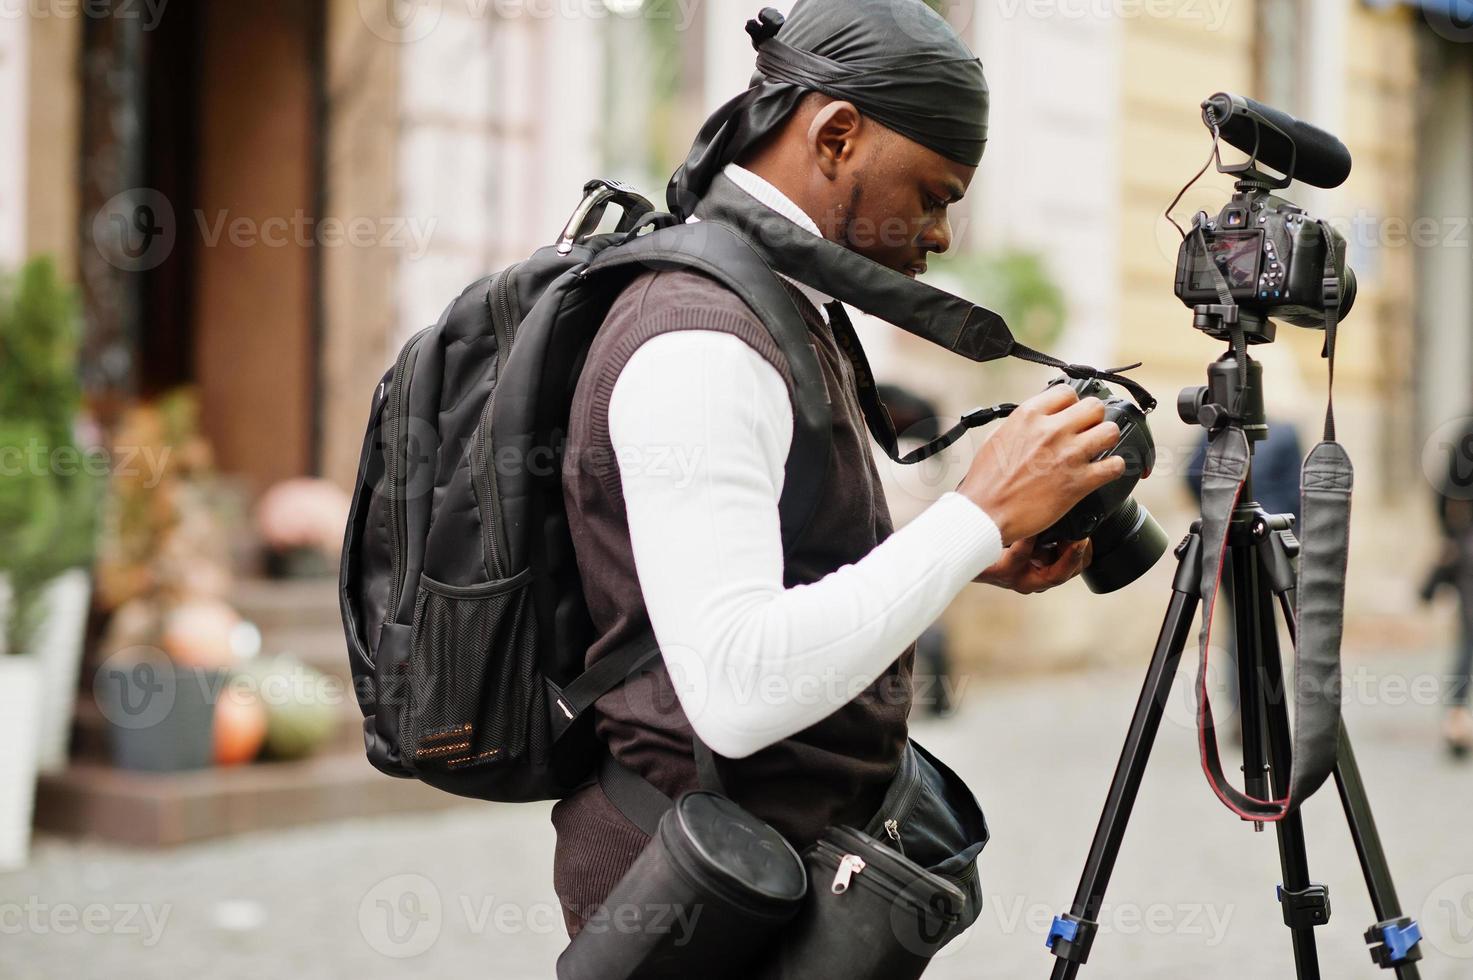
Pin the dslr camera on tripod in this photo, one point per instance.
(1261, 256)
(1269, 252)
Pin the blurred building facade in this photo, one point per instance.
(265, 200)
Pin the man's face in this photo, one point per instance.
(891, 199)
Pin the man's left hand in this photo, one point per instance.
(1026, 567)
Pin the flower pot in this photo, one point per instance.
(160, 716)
(20, 710)
(298, 563)
(57, 646)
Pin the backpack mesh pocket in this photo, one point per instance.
(472, 686)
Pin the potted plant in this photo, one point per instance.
(300, 522)
(163, 572)
(23, 501)
(48, 501)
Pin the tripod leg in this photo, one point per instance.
(1071, 935)
(1305, 904)
(1395, 936)
(1246, 619)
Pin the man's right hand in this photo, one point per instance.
(1040, 461)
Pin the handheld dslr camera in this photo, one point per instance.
(1272, 257)
(1127, 540)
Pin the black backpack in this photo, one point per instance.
(459, 589)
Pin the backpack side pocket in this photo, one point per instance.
(472, 684)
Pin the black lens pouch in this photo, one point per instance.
(709, 894)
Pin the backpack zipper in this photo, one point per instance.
(483, 475)
(398, 410)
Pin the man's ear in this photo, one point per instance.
(832, 135)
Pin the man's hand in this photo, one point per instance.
(1042, 460)
(1027, 568)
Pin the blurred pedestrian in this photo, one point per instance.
(1454, 568)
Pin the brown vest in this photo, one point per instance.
(835, 771)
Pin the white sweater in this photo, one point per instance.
(701, 424)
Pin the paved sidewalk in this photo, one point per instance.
(466, 893)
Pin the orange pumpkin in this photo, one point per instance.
(197, 633)
(240, 726)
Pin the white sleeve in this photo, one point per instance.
(700, 425)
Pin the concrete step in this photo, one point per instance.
(95, 800)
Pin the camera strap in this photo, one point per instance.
(1325, 487)
(918, 308)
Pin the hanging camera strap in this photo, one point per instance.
(1325, 487)
(918, 308)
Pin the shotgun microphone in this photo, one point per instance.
(1293, 148)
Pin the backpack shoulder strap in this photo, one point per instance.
(718, 251)
(721, 253)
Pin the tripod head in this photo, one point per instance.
(1232, 397)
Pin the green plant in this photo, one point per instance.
(1017, 285)
(48, 499)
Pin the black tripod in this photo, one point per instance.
(1262, 549)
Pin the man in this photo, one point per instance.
(862, 126)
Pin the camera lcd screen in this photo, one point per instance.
(1236, 254)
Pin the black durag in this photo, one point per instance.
(898, 61)
(902, 65)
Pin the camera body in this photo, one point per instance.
(1272, 254)
(1127, 540)
(1137, 448)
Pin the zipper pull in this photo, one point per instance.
(892, 827)
(849, 866)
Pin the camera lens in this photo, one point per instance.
(1347, 292)
(1126, 545)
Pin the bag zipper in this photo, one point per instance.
(849, 866)
(910, 771)
(483, 474)
(398, 410)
